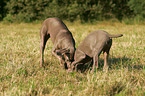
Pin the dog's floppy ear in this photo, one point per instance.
(62, 51)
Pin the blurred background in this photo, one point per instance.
(71, 10)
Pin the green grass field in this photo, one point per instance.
(21, 75)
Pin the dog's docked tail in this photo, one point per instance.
(115, 36)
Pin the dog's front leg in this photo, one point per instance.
(95, 59)
(78, 59)
(57, 56)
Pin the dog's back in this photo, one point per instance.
(89, 44)
(61, 37)
(54, 26)
(91, 48)
(94, 41)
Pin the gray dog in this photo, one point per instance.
(91, 48)
(61, 37)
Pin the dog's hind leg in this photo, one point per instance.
(44, 37)
(97, 53)
(106, 54)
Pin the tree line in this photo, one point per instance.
(84, 10)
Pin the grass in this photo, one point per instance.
(21, 75)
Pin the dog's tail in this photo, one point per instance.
(115, 36)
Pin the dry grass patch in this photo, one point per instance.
(20, 73)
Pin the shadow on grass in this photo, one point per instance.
(54, 64)
(124, 62)
(114, 63)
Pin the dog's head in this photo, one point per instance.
(67, 54)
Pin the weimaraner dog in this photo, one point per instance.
(91, 48)
(61, 37)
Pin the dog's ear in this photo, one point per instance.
(62, 51)
(58, 52)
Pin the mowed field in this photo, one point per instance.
(21, 75)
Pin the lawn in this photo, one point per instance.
(21, 74)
